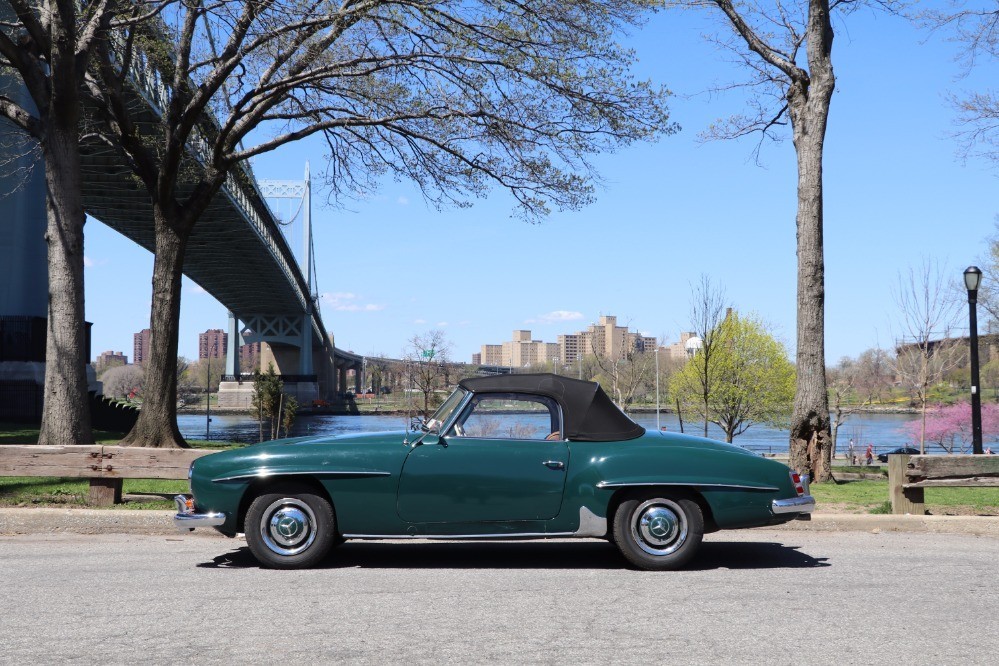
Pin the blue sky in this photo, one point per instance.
(895, 192)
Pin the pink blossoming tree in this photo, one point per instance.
(949, 426)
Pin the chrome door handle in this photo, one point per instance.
(554, 464)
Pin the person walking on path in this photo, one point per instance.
(869, 455)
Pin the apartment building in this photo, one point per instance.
(211, 343)
(109, 358)
(604, 337)
(140, 347)
(687, 346)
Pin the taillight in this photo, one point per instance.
(798, 486)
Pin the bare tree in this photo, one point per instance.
(45, 48)
(123, 381)
(857, 383)
(988, 292)
(974, 26)
(786, 48)
(427, 359)
(706, 316)
(925, 351)
(458, 97)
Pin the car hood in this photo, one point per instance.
(366, 453)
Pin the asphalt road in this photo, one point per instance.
(760, 596)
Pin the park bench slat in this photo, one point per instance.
(34, 460)
(942, 467)
(139, 463)
(969, 481)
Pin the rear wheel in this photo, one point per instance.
(290, 527)
(658, 531)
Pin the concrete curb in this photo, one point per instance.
(849, 522)
(22, 521)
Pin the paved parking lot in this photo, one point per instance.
(760, 596)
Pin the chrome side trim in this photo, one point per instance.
(628, 484)
(590, 524)
(463, 537)
(264, 473)
(803, 504)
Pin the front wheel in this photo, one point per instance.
(658, 532)
(291, 527)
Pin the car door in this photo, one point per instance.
(495, 463)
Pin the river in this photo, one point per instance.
(881, 430)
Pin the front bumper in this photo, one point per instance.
(803, 504)
(187, 518)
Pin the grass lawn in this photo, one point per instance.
(54, 492)
(870, 496)
(20, 433)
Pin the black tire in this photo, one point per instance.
(658, 531)
(290, 527)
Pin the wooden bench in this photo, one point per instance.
(105, 466)
(909, 475)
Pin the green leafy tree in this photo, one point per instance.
(288, 412)
(750, 378)
(266, 400)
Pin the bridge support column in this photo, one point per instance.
(232, 347)
(305, 351)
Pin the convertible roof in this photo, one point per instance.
(589, 414)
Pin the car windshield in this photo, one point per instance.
(443, 413)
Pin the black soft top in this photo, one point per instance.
(588, 414)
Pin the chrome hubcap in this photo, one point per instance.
(659, 527)
(288, 526)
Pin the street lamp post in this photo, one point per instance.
(972, 280)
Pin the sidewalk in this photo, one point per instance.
(21, 521)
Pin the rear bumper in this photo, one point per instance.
(803, 504)
(187, 518)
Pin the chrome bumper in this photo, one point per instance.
(187, 519)
(803, 504)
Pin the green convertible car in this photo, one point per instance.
(508, 457)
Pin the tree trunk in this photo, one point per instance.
(808, 105)
(157, 424)
(66, 407)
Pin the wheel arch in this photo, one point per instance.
(264, 485)
(625, 493)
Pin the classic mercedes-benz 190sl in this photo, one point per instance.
(509, 457)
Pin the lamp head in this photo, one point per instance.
(972, 278)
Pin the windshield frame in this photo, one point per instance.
(447, 412)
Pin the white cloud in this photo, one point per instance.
(88, 262)
(403, 201)
(557, 316)
(343, 301)
(198, 289)
(419, 321)
(442, 324)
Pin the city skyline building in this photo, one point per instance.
(140, 347)
(212, 343)
(108, 358)
(603, 338)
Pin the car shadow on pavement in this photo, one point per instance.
(753, 555)
(531, 555)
